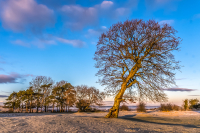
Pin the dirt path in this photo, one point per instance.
(188, 122)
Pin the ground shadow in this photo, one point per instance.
(157, 120)
(32, 114)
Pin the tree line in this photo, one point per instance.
(43, 93)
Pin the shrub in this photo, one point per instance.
(169, 107)
(141, 107)
(193, 103)
(196, 106)
(124, 107)
(185, 104)
(83, 106)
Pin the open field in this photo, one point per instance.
(128, 121)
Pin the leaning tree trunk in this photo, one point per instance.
(114, 111)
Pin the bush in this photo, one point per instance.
(141, 107)
(169, 107)
(185, 104)
(124, 107)
(193, 103)
(83, 106)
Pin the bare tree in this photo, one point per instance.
(42, 87)
(137, 54)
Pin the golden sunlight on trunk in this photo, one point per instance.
(114, 111)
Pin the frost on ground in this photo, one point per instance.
(128, 121)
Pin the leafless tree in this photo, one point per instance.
(137, 54)
(41, 85)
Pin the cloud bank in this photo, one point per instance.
(178, 89)
(12, 78)
(3, 96)
(77, 17)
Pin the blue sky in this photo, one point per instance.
(57, 38)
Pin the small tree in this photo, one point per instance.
(11, 101)
(193, 102)
(185, 104)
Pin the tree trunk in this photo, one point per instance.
(114, 111)
(53, 107)
(31, 103)
(22, 108)
(26, 107)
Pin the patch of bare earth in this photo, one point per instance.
(128, 121)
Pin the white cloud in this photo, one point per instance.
(121, 11)
(21, 43)
(106, 4)
(75, 43)
(49, 40)
(96, 32)
(79, 16)
(170, 22)
(19, 15)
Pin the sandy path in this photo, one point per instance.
(95, 123)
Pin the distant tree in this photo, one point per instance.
(11, 101)
(20, 99)
(39, 86)
(137, 54)
(186, 104)
(193, 102)
(70, 95)
(87, 96)
(64, 93)
(46, 90)
(52, 100)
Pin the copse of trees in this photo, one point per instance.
(43, 93)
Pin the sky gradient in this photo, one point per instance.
(57, 38)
